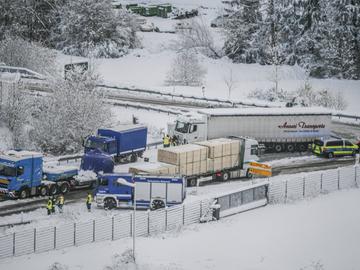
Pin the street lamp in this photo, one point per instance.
(123, 181)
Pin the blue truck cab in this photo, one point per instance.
(151, 191)
(124, 144)
(22, 175)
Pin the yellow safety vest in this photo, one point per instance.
(166, 140)
(89, 199)
(61, 200)
(49, 204)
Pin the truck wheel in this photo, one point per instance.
(225, 176)
(157, 204)
(133, 158)
(64, 188)
(290, 148)
(23, 193)
(109, 203)
(192, 182)
(330, 155)
(302, 148)
(249, 174)
(43, 191)
(278, 148)
(53, 190)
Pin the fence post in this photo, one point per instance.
(54, 237)
(94, 230)
(148, 221)
(183, 214)
(131, 221)
(34, 240)
(304, 182)
(166, 218)
(14, 243)
(356, 184)
(112, 228)
(286, 191)
(201, 209)
(338, 179)
(74, 234)
(321, 182)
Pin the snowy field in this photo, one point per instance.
(146, 68)
(321, 234)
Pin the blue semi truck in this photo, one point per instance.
(125, 144)
(154, 192)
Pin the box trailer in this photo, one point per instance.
(279, 129)
(120, 190)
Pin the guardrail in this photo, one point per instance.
(349, 116)
(153, 92)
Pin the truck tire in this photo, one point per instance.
(249, 174)
(225, 176)
(302, 147)
(23, 193)
(330, 155)
(157, 204)
(53, 190)
(278, 148)
(290, 147)
(43, 191)
(64, 188)
(192, 182)
(109, 203)
(133, 158)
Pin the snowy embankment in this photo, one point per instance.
(321, 234)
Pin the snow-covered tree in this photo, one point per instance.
(14, 110)
(15, 51)
(186, 70)
(74, 110)
(199, 38)
(31, 19)
(240, 29)
(92, 27)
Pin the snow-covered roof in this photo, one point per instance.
(128, 127)
(265, 111)
(19, 155)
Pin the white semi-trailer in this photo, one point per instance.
(279, 129)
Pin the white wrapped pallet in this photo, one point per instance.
(154, 168)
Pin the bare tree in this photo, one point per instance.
(197, 36)
(230, 82)
(186, 70)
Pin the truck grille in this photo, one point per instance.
(4, 183)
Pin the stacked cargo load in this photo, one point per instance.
(190, 159)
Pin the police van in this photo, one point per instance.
(334, 147)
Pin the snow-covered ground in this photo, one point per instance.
(146, 68)
(319, 234)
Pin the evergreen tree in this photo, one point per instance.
(241, 28)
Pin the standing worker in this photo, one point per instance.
(53, 199)
(166, 141)
(49, 206)
(88, 201)
(60, 204)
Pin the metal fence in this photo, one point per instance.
(311, 185)
(152, 222)
(107, 228)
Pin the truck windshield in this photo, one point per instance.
(255, 149)
(7, 171)
(182, 127)
(96, 145)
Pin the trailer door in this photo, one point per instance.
(174, 193)
(142, 191)
(158, 190)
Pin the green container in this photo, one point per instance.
(162, 12)
(151, 11)
(168, 7)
